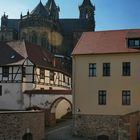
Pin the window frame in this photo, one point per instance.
(24, 71)
(106, 69)
(132, 43)
(5, 71)
(92, 70)
(43, 42)
(42, 73)
(126, 97)
(52, 75)
(126, 69)
(0, 90)
(34, 38)
(102, 97)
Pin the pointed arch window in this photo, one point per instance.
(43, 42)
(24, 36)
(34, 38)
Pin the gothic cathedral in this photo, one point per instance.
(42, 26)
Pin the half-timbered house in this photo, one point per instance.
(28, 70)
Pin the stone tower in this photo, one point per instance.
(53, 9)
(87, 10)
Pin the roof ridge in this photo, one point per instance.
(117, 30)
(105, 42)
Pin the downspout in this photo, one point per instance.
(21, 91)
(73, 89)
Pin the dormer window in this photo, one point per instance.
(134, 43)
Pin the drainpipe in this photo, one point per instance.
(73, 88)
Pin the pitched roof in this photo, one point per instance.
(85, 3)
(40, 11)
(104, 42)
(16, 52)
(51, 5)
(9, 56)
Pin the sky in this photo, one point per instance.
(109, 14)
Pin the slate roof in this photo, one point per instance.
(51, 5)
(105, 42)
(40, 11)
(73, 25)
(16, 52)
(86, 2)
(8, 55)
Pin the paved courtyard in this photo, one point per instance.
(62, 132)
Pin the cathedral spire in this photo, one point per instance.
(53, 9)
(87, 10)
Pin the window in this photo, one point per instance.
(23, 71)
(126, 97)
(24, 36)
(102, 97)
(34, 38)
(126, 69)
(68, 81)
(92, 69)
(134, 43)
(106, 69)
(42, 73)
(43, 42)
(52, 75)
(0, 90)
(5, 71)
(64, 78)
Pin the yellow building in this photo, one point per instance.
(106, 89)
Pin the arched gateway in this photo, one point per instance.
(58, 108)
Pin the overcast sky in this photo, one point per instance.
(109, 14)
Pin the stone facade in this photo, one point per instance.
(96, 125)
(14, 125)
(43, 26)
(125, 127)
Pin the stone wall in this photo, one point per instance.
(123, 127)
(13, 125)
(96, 125)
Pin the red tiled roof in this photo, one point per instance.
(58, 92)
(102, 42)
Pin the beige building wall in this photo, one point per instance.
(86, 88)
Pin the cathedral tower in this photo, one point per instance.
(53, 9)
(87, 10)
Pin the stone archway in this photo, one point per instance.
(103, 137)
(58, 108)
